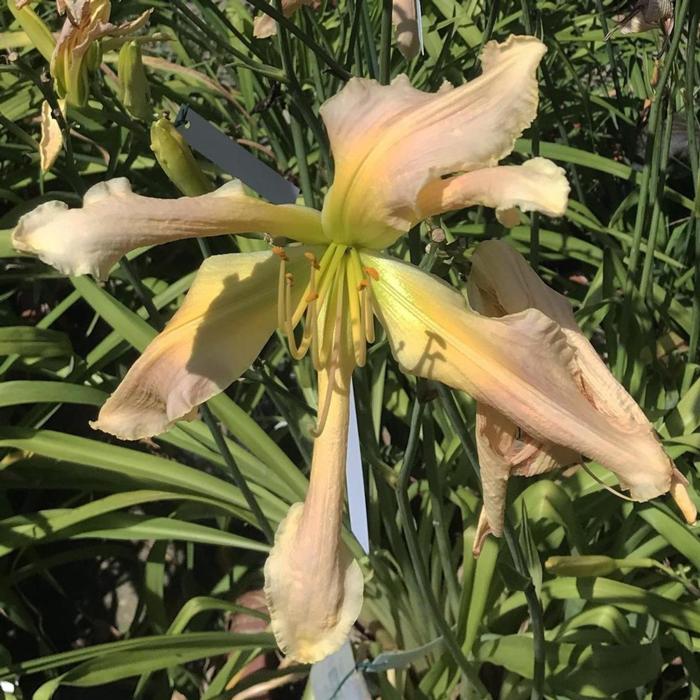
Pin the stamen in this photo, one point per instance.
(296, 351)
(333, 307)
(279, 250)
(281, 286)
(332, 323)
(311, 323)
(312, 259)
(322, 415)
(357, 291)
(326, 264)
(331, 357)
(367, 313)
(330, 264)
(357, 328)
(366, 300)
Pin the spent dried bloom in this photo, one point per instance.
(77, 49)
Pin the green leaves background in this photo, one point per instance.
(165, 519)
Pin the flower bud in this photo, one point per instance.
(134, 91)
(589, 565)
(35, 29)
(93, 57)
(176, 159)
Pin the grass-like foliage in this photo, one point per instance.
(135, 569)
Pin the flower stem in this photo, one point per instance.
(238, 477)
(284, 23)
(534, 605)
(411, 537)
(261, 68)
(654, 143)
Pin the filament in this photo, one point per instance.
(333, 354)
(329, 273)
(357, 326)
(321, 268)
(336, 307)
(296, 351)
(311, 312)
(367, 307)
(281, 284)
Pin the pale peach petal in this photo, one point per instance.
(504, 450)
(51, 143)
(405, 21)
(520, 364)
(113, 220)
(537, 185)
(501, 282)
(313, 585)
(390, 141)
(226, 318)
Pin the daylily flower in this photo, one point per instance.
(77, 49)
(502, 284)
(400, 155)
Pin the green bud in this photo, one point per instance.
(93, 57)
(133, 82)
(73, 82)
(590, 565)
(176, 159)
(38, 33)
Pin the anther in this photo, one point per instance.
(372, 272)
(362, 285)
(311, 296)
(312, 259)
(290, 279)
(281, 287)
(278, 250)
